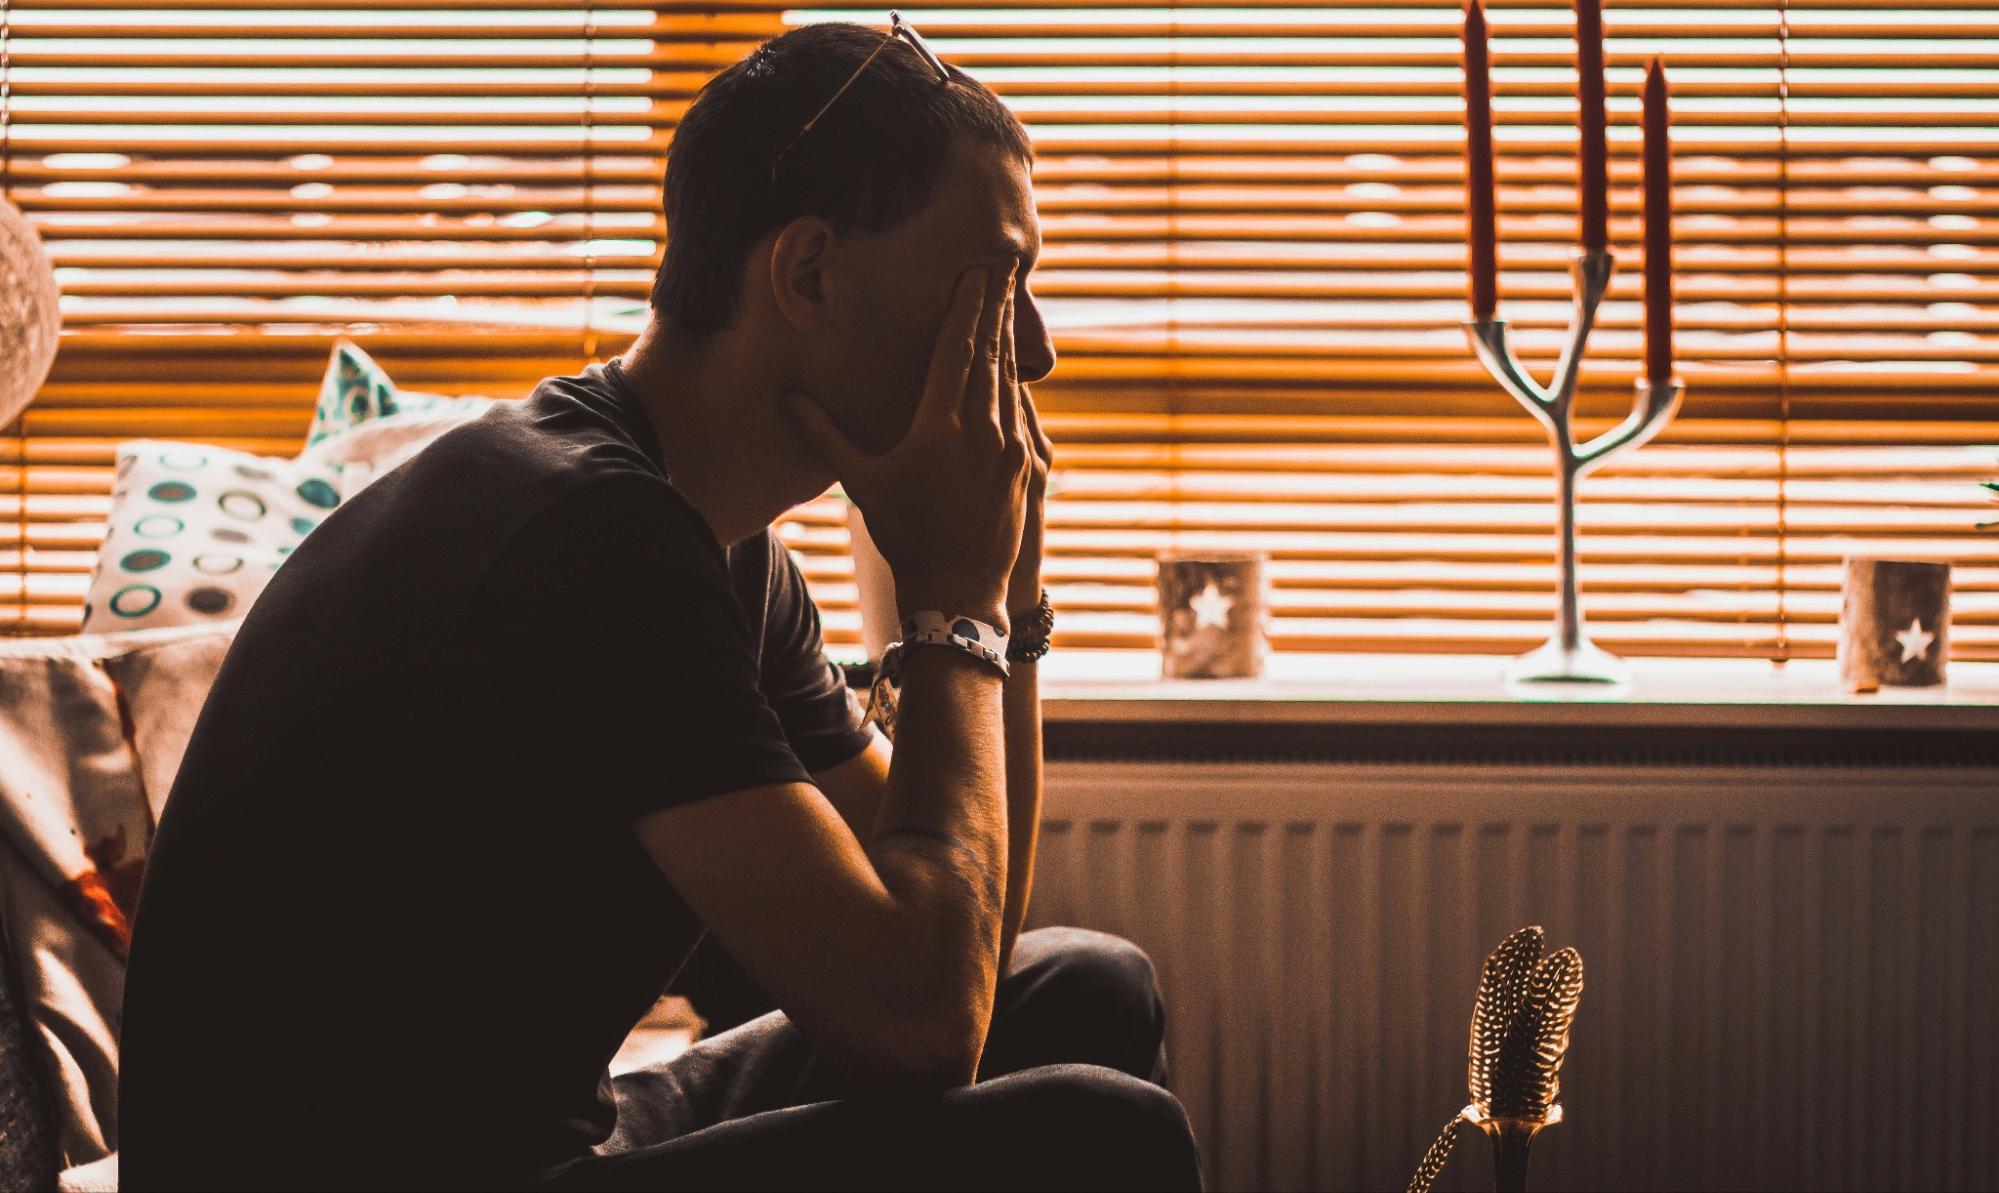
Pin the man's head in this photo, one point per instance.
(843, 264)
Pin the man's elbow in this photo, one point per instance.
(944, 1053)
(919, 1021)
(925, 1050)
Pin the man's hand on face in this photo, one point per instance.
(946, 505)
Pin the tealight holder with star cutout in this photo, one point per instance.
(1894, 624)
(1211, 615)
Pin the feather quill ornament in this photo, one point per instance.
(1433, 1159)
(1519, 1035)
(1527, 1077)
(1501, 987)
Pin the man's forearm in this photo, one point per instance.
(860, 802)
(939, 843)
(1021, 712)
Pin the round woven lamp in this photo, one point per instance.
(29, 319)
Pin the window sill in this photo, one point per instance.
(1456, 709)
(1361, 689)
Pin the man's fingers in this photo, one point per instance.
(951, 357)
(821, 434)
(982, 384)
(1009, 379)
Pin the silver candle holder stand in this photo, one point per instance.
(1569, 657)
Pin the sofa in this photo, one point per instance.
(92, 729)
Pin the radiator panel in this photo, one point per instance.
(1790, 975)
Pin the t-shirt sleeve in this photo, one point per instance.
(626, 666)
(821, 717)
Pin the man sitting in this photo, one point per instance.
(535, 714)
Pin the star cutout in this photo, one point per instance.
(1915, 641)
(1211, 608)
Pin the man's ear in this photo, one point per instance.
(798, 269)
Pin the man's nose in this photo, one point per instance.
(1033, 351)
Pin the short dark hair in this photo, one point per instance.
(871, 161)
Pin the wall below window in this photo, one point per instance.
(1789, 968)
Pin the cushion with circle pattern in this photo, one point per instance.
(364, 424)
(196, 531)
(356, 392)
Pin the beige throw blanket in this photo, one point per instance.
(92, 729)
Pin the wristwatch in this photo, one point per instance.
(929, 627)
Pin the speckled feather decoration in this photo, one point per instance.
(1519, 1035)
(1528, 1075)
(1434, 1159)
(1500, 988)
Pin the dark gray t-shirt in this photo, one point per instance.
(395, 921)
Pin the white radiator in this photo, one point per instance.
(1792, 973)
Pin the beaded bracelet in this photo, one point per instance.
(1029, 640)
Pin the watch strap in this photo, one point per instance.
(930, 627)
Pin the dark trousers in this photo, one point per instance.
(1070, 1095)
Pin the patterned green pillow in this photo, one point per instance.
(196, 531)
(357, 392)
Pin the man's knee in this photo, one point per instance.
(1106, 1129)
(1095, 969)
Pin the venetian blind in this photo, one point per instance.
(470, 191)
(1253, 217)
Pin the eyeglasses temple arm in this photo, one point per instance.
(897, 27)
(827, 106)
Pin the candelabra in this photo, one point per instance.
(1569, 656)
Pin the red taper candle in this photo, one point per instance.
(1480, 212)
(1592, 168)
(1658, 228)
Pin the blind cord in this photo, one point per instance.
(20, 420)
(1174, 436)
(6, 98)
(589, 181)
(1783, 643)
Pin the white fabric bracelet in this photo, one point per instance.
(929, 627)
